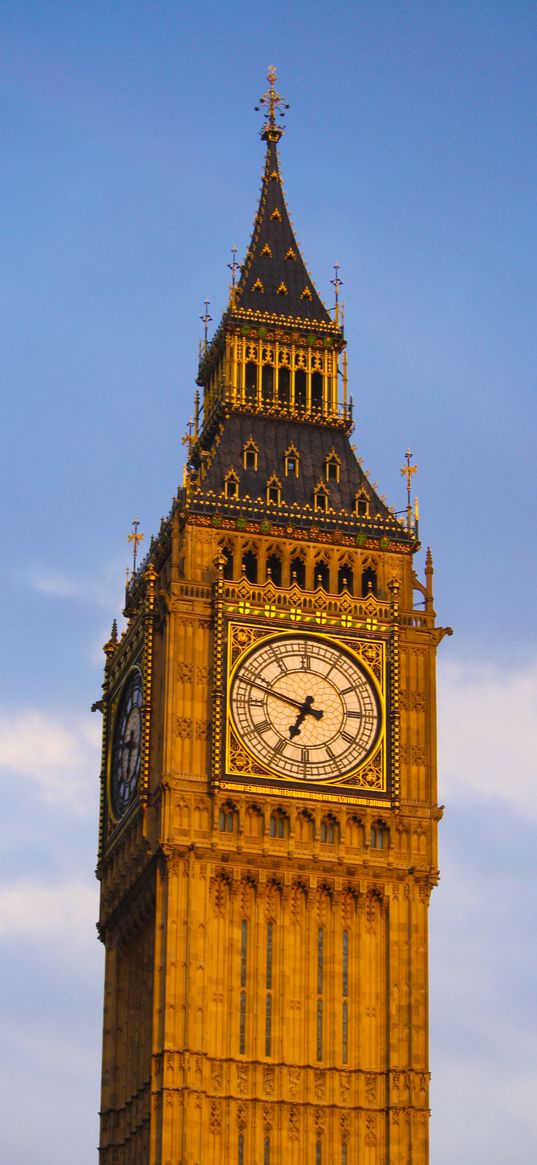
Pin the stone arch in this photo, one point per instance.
(228, 817)
(379, 835)
(329, 829)
(279, 823)
(254, 820)
(354, 832)
(304, 827)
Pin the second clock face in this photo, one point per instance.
(305, 707)
(126, 748)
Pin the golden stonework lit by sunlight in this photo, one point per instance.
(268, 828)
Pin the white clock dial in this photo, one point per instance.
(305, 707)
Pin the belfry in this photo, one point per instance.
(268, 827)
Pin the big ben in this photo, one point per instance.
(268, 827)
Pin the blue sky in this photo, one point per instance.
(131, 164)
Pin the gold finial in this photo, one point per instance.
(135, 538)
(408, 471)
(275, 103)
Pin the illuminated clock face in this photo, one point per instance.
(305, 708)
(126, 747)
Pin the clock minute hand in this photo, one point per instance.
(279, 695)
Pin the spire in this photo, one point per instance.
(274, 278)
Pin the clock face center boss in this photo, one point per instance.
(305, 707)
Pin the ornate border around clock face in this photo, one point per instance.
(305, 709)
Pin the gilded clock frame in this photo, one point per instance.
(242, 771)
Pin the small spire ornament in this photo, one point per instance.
(336, 284)
(408, 471)
(275, 103)
(206, 319)
(234, 266)
(135, 538)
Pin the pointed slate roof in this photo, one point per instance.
(273, 438)
(274, 276)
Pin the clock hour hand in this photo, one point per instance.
(305, 710)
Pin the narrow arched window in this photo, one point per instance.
(361, 504)
(378, 838)
(278, 823)
(300, 388)
(369, 582)
(268, 995)
(320, 499)
(322, 575)
(226, 819)
(249, 456)
(274, 490)
(231, 485)
(249, 563)
(274, 569)
(298, 571)
(292, 462)
(331, 468)
(345, 1003)
(283, 385)
(320, 988)
(328, 831)
(345, 579)
(267, 382)
(250, 381)
(317, 391)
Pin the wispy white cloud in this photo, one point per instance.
(487, 718)
(59, 756)
(51, 582)
(104, 590)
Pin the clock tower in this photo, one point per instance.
(268, 830)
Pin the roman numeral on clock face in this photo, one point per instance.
(279, 660)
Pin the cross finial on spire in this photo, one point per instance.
(336, 284)
(275, 103)
(408, 471)
(206, 319)
(234, 266)
(135, 538)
